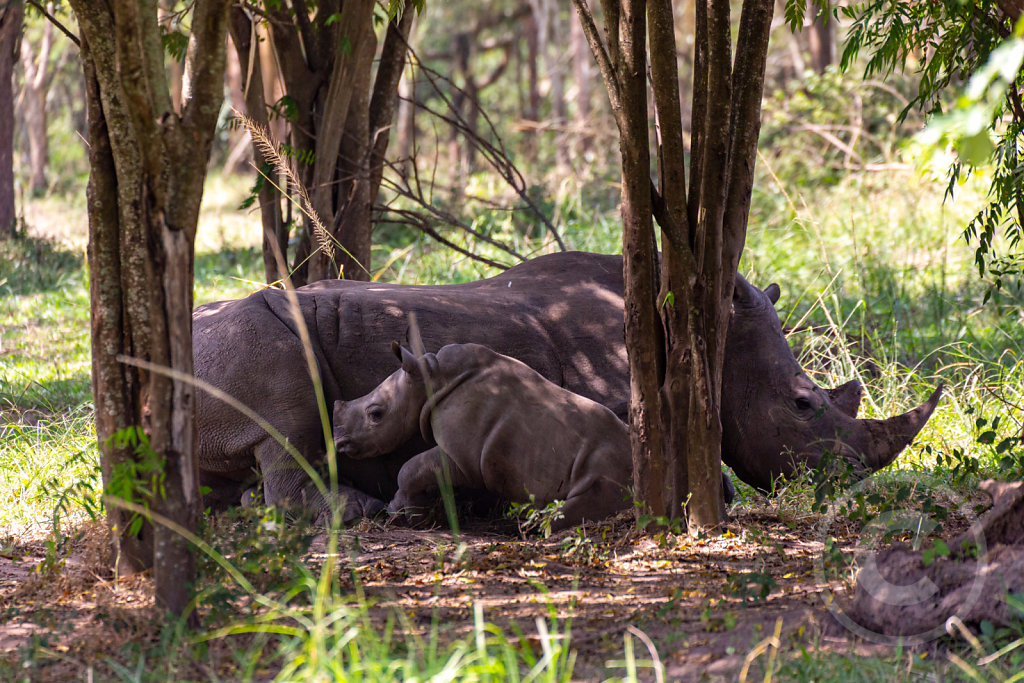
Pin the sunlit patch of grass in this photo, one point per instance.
(43, 460)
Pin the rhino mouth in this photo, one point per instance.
(346, 448)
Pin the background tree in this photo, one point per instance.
(12, 13)
(339, 111)
(677, 317)
(946, 42)
(148, 164)
(35, 66)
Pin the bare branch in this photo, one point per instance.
(53, 20)
(417, 221)
(493, 152)
(402, 188)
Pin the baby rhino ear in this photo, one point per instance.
(409, 362)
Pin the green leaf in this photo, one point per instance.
(975, 149)
(795, 14)
(175, 44)
(938, 549)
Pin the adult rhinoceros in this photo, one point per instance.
(561, 314)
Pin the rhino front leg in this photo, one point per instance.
(419, 488)
(287, 485)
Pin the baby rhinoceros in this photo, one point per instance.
(502, 428)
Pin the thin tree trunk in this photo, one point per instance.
(643, 328)
(677, 260)
(384, 101)
(10, 32)
(821, 39)
(553, 50)
(353, 220)
(275, 232)
(147, 167)
(35, 65)
(582, 75)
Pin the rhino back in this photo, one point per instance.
(514, 433)
(561, 314)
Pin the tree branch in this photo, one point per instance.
(53, 20)
(745, 125)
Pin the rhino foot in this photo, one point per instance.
(251, 497)
(407, 514)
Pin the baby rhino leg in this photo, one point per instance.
(419, 489)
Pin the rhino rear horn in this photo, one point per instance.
(890, 437)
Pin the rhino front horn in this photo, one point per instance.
(889, 437)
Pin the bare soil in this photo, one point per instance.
(694, 605)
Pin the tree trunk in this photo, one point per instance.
(675, 360)
(338, 125)
(10, 32)
(35, 64)
(147, 167)
(275, 232)
(582, 76)
(821, 39)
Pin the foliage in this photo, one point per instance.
(264, 544)
(825, 127)
(137, 479)
(536, 519)
(946, 42)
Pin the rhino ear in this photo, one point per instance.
(773, 291)
(409, 361)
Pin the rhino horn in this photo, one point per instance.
(887, 438)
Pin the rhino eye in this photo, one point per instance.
(802, 404)
(376, 414)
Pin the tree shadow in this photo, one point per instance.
(30, 265)
(48, 397)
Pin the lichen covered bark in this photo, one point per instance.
(147, 167)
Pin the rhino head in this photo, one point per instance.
(379, 422)
(776, 421)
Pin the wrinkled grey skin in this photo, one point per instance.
(561, 314)
(777, 422)
(499, 426)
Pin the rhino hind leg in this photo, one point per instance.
(223, 491)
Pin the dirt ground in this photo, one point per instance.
(693, 605)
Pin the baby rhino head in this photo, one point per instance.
(384, 419)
